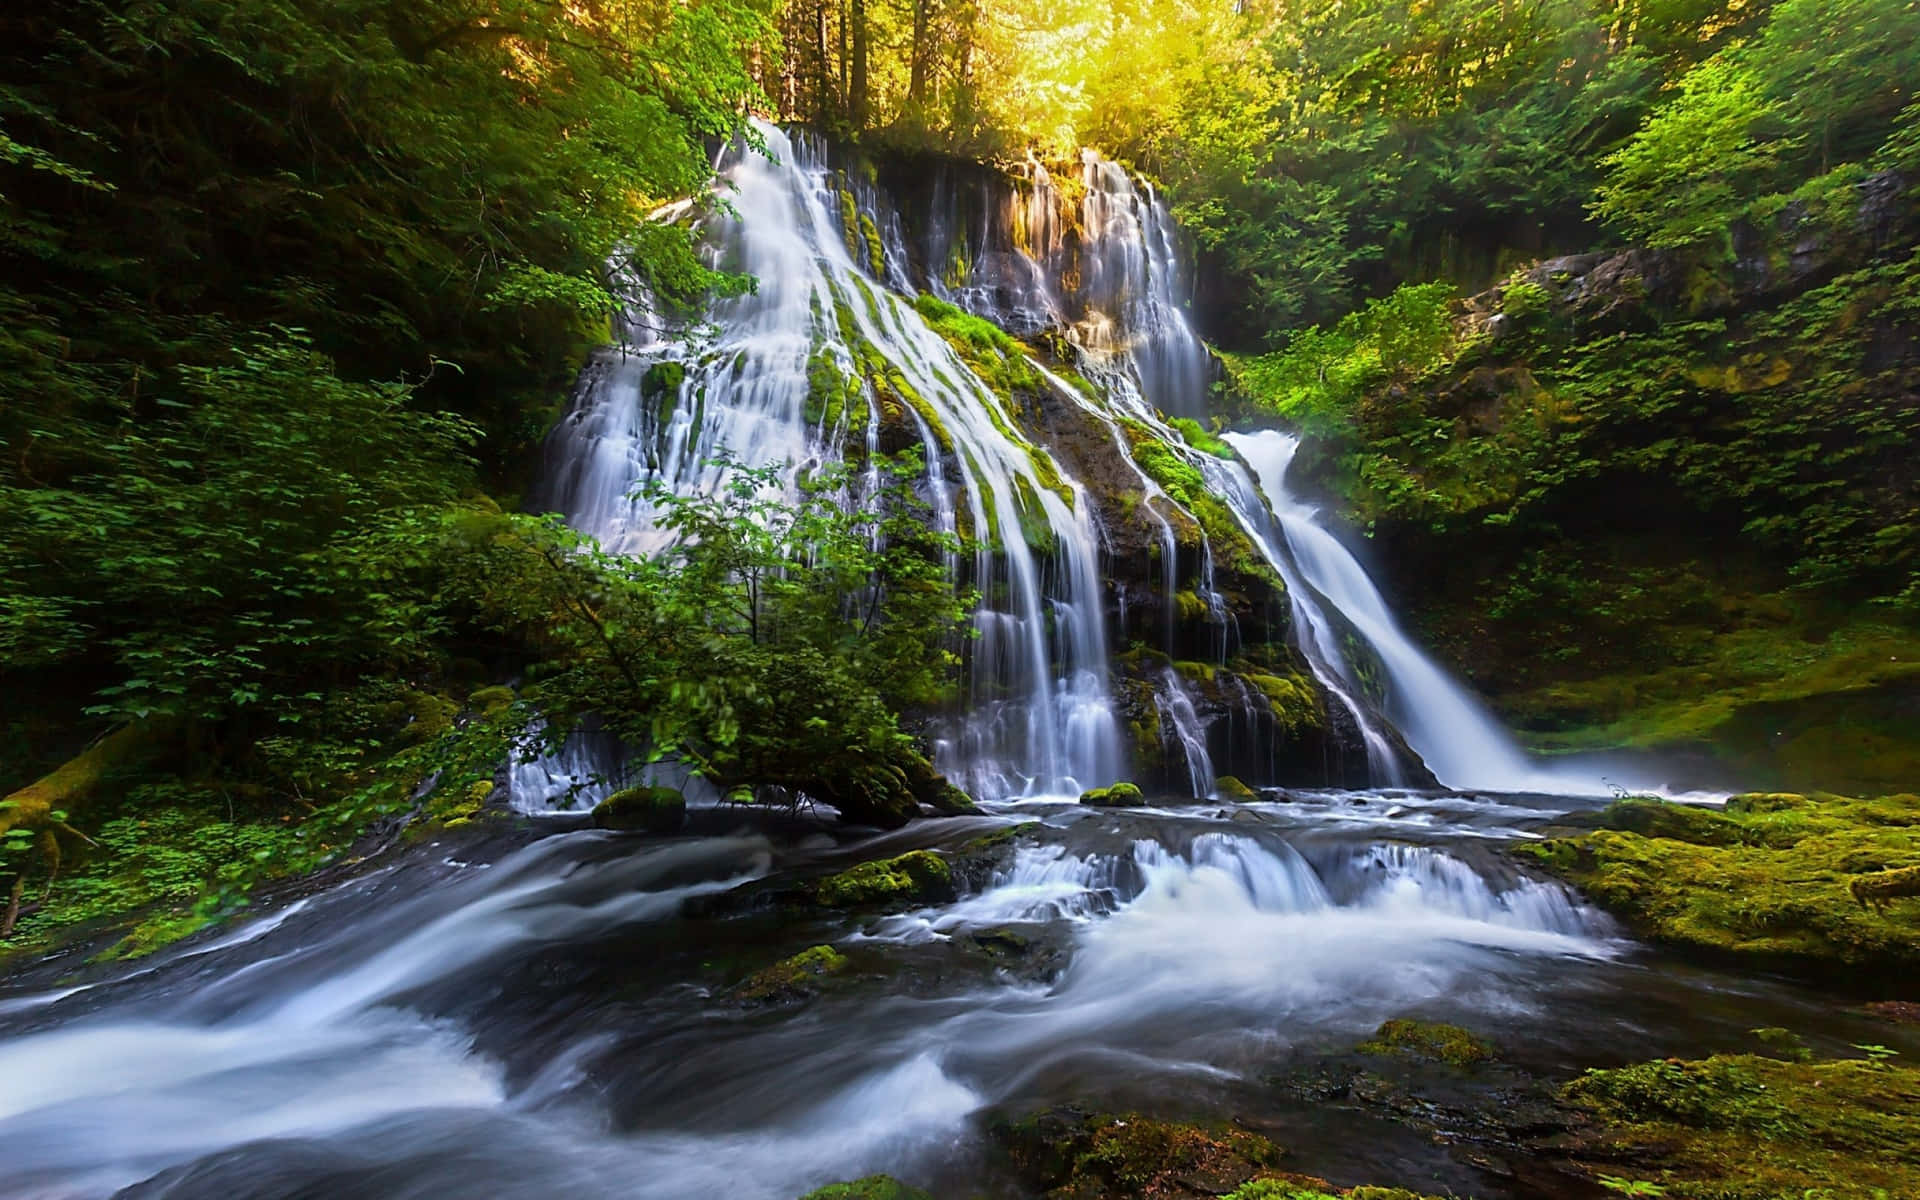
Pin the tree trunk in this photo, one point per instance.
(917, 77)
(33, 806)
(857, 90)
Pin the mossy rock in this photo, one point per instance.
(1449, 1044)
(1229, 787)
(873, 1187)
(793, 978)
(642, 810)
(1737, 1126)
(490, 700)
(1300, 1188)
(1073, 1155)
(1803, 880)
(1120, 795)
(918, 875)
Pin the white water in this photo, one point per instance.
(1454, 735)
(1038, 720)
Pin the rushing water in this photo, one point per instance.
(506, 1019)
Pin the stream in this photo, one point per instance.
(548, 1011)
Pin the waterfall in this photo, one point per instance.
(745, 381)
(1177, 711)
(1454, 735)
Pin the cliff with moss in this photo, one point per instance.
(1658, 497)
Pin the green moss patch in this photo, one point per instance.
(1120, 795)
(917, 875)
(642, 810)
(873, 1187)
(792, 978)
(1429, 1039)
(1229, 787)
(1814, 879)
(1742, 1127)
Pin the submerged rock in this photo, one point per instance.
(1120, 795)
(642, 810)
(917, 875)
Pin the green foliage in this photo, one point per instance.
(1324, 375)
(1706, 137)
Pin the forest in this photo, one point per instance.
(589, 436)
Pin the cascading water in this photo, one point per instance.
(668, 405)
(1455, 737)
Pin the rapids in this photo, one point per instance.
(511, 1017)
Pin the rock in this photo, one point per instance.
(642, 810)
(917, 875)
(1429, 1039)
(1069, 1153)
(1227, 787)
(1120, 795)
(791, 979)
(873, 1187)
(934, 790)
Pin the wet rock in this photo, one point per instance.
(1071, 1154)
(1227, 787)
(920, 875)
(1430, 1040)
(792, 979)
(1120, 795)
(642, 810)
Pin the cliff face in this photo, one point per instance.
(1667, 499)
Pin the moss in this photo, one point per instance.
(850, 223)
(490, 700)
(1074, 1156)
(917, 875)
(1771, 875)
(1317, 1189)
(1120, 795)
(642, 809)
(989, 350)
(1743, 1127)
(1199, 672)
(1428, 1039)
(998, 838)
(876, 251)
(791, 978)
(1180, 479)
(1229, 787)
(1291, 699)
(1199, 438)
(873, 1187)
